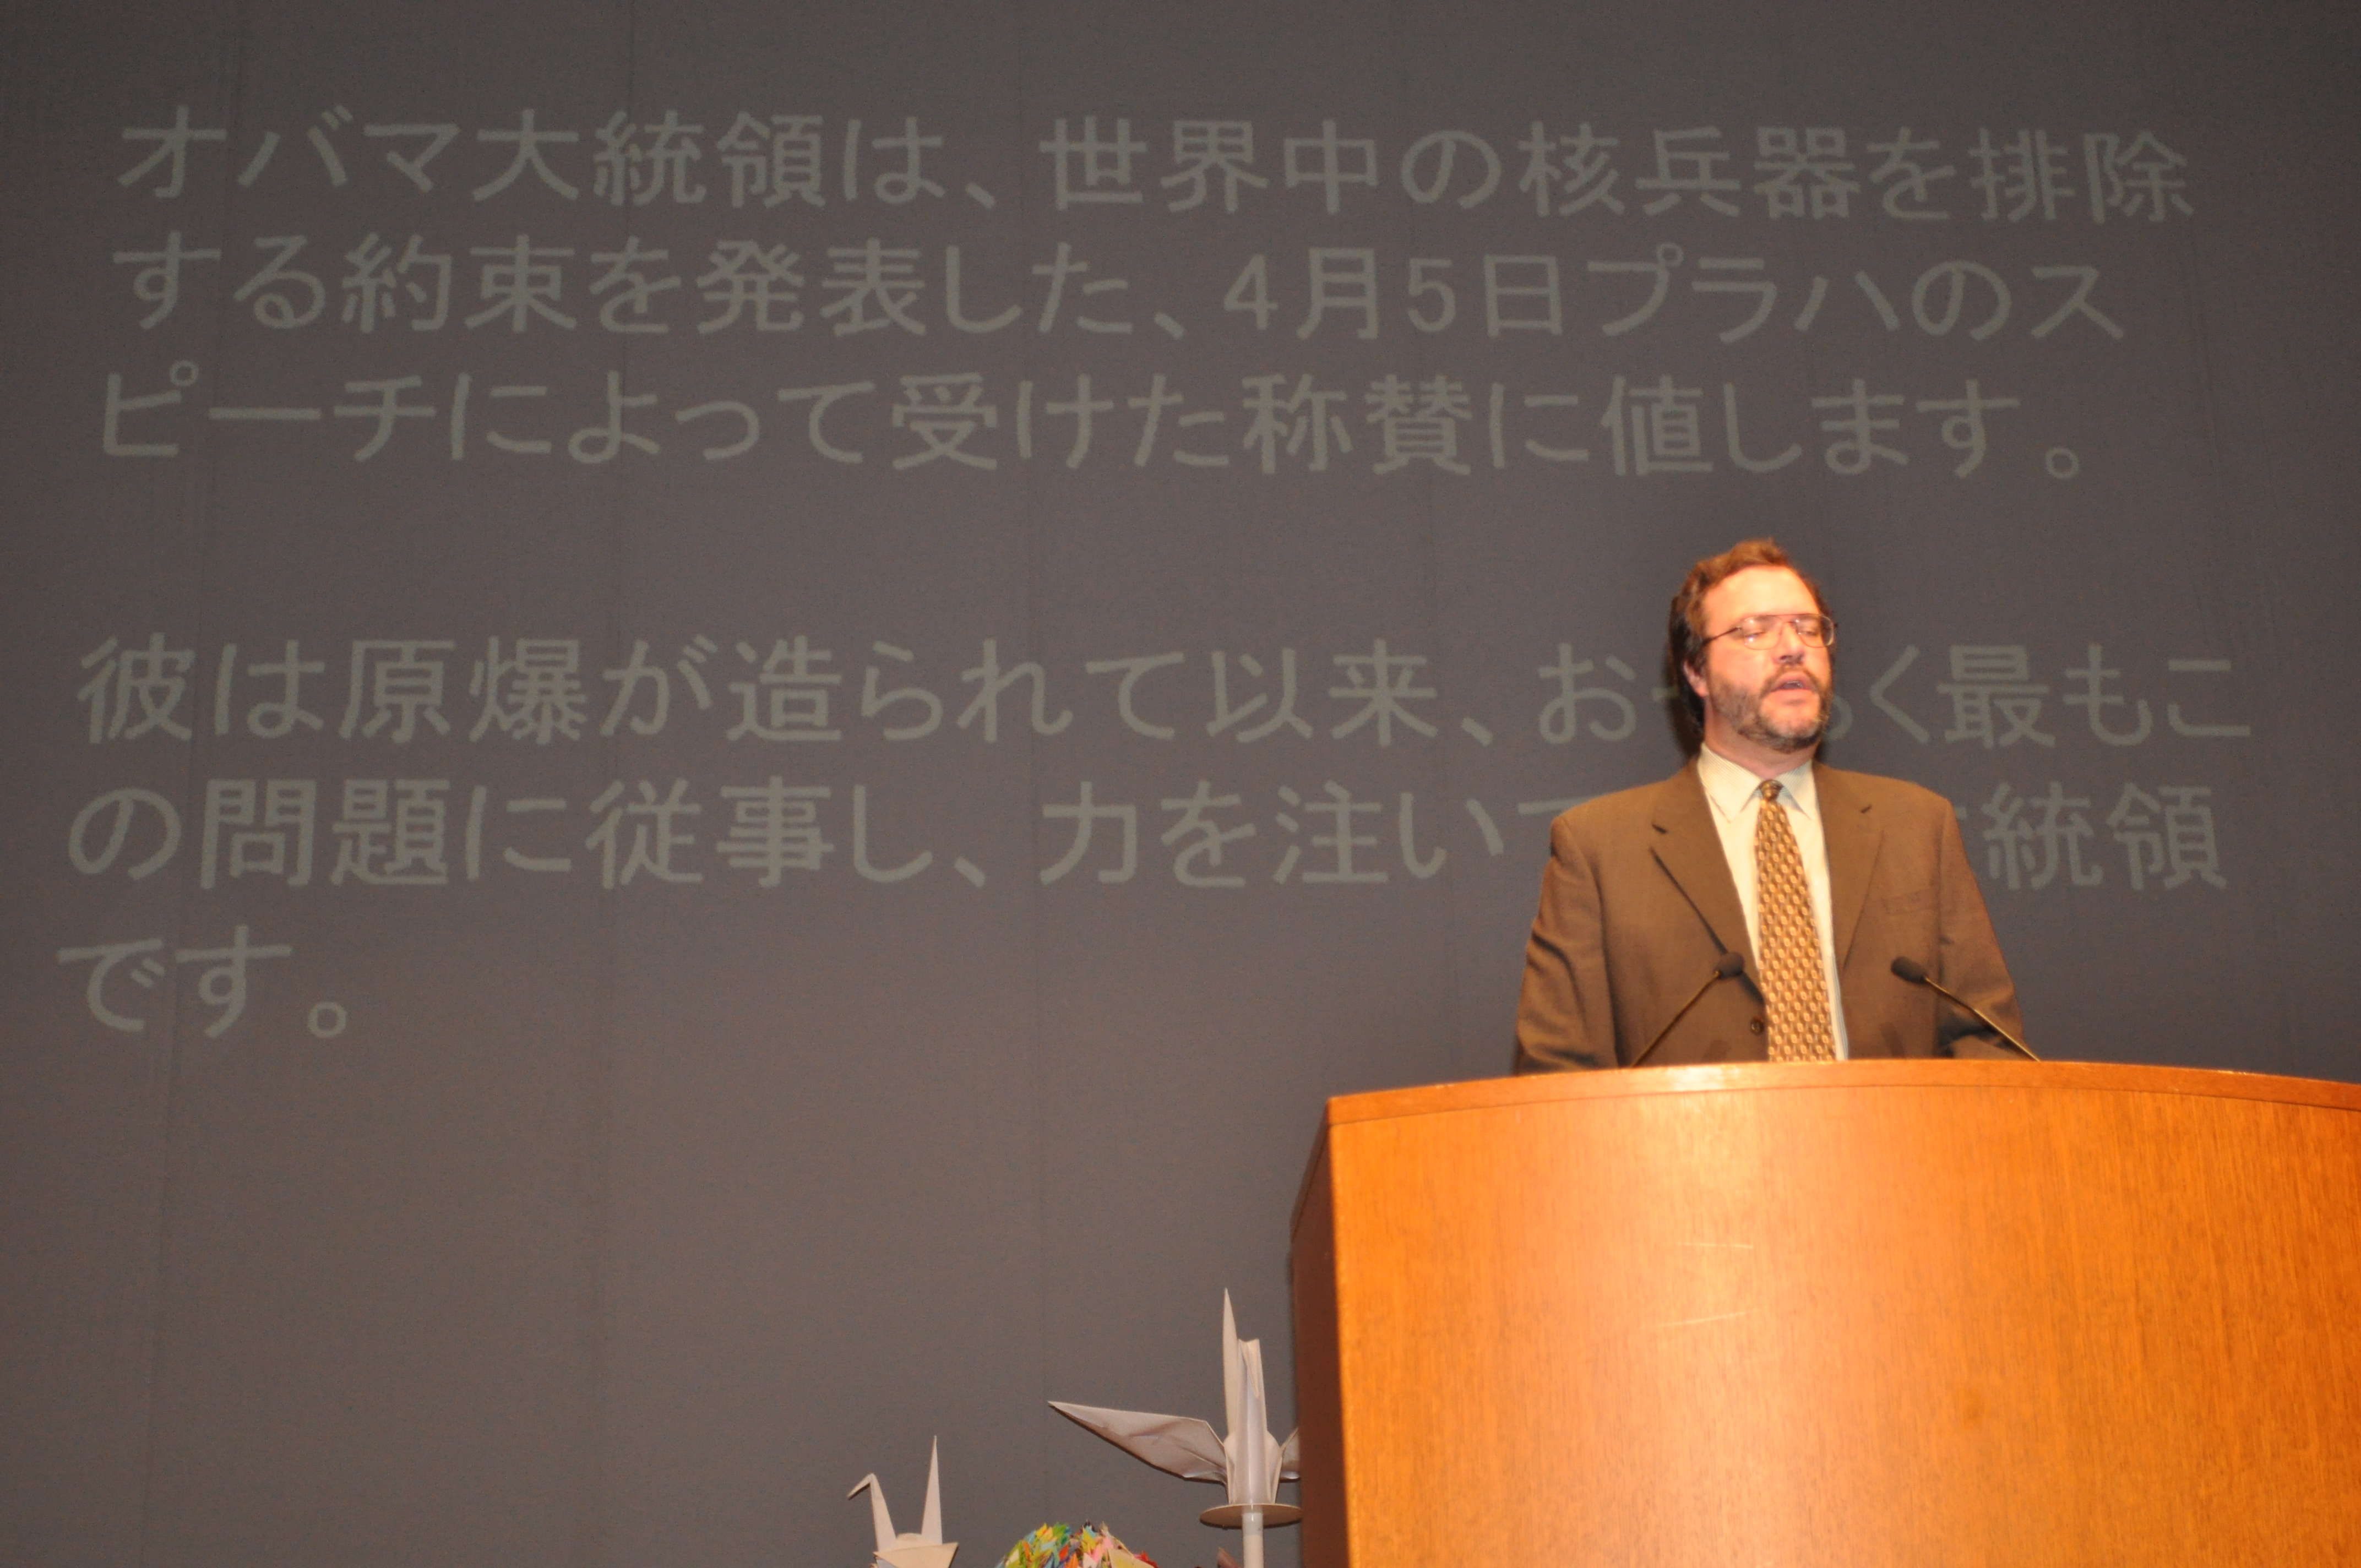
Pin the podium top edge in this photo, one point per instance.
(1496, 1094)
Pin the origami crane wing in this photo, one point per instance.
(1182, 1445)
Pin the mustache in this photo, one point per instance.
(1778, 676)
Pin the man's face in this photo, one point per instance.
(1772, 700)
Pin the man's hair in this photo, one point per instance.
(1685, 636)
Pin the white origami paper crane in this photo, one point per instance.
(1249, 1462)
(927, 1549)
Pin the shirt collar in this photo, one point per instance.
(1729, 786)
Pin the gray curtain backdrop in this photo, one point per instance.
(576, 574)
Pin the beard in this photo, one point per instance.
(1742, 710)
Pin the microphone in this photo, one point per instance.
(1724, 966)
(1916, 973)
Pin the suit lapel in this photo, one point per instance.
(1852, 833)
(1688, 846)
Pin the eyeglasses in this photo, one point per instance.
(1760, 631)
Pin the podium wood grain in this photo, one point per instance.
(1877, 1313)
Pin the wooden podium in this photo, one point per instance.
(1887, 1314)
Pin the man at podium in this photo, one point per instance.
(1753, 907)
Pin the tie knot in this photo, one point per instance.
(1769, 791)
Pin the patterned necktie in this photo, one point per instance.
(1795, 980)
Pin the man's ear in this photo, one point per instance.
(1697, 682)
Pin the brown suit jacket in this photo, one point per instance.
(1637, 904)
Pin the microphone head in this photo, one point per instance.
(1729, 966)
(1911, 969)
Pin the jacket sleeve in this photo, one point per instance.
(1566, 1013)
(1969, 959)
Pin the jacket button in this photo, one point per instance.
(1754, 1026)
